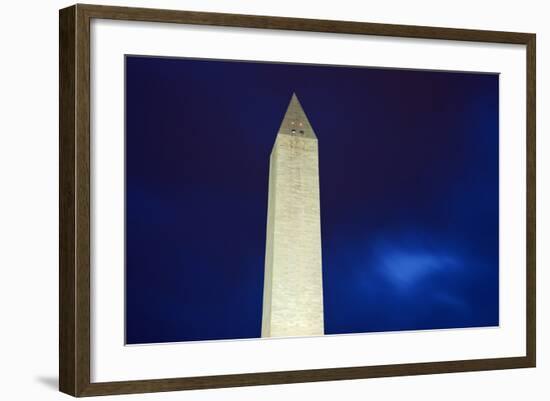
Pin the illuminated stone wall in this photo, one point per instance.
(293, 288)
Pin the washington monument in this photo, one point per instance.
(293, 278)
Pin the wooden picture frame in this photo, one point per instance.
(74, 200)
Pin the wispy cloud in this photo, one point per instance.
(406, 267)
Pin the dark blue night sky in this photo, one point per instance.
(408, 183)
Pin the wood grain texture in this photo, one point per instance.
(531, 304)
(301, 24)
(67, 99)
(74, 199)
(302, 376)
(82, 200)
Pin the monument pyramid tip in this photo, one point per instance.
(295, 121)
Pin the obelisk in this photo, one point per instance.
(293, 280)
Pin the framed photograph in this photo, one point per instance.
(250, 200)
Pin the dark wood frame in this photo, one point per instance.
(74, 199)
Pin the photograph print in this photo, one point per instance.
(268, 200)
